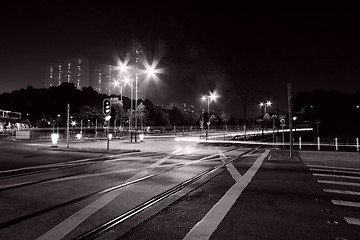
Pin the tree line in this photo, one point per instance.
(49, 105)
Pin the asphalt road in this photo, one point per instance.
(47, 194)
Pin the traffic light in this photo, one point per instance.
(106, 106)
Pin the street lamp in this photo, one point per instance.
(133, 74)
(263, 106)
(211, 97)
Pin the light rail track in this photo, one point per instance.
(140, 208)
(107, 226)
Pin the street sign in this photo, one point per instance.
(208, 123)
(282, 120)
(106, 106)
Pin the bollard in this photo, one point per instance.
(336, 144)
(318, 142)
(357, 144)
(300, 143)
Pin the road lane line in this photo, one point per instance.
(231, 168)
(335, 171)
(342, 168)
(335, 176)
(346, 203)
(339, 183)
(205, 228)
(342, 192)
(353, 221)
(69, 224)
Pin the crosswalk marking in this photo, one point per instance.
(335, 171)
(342, 192)
(346, 203)
(339, 183)
(342, 168)
(350, 178)
(353, 221)
(335, 176)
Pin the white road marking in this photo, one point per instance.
(353, 221)
(346, 203)
(339, 183)
(336, 171)
(342, 168)
(335, 176)
(205, 228)
(231, 168)
(69, 224)
(342, 192)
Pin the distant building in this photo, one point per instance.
(74, 70)
(102, 77)
(184, 106)
(83, 73)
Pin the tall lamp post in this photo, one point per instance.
(211, 97)
(263, 106)
(133, 74)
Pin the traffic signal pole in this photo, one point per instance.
(67, 125)
(290, 119)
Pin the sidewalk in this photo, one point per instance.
(118, 146)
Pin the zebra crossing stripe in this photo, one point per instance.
(335, 176)
(339, 183)
(342, 168)
(353, 221)
(335, 171)
(342, 192)
(346, 203)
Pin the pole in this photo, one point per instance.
(318, 142)
(81, 123)
(283, 136)
(336, 144)
(244, 102)
(136, 89)
(208, 125)
(290, 119)
(136, 99)
(262, 121)
(68, 125)
(131, 107)
(357, 144)
(107, 135)
(300, 143)
(95, 129)
(273, 131)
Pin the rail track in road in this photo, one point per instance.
(51, 168)
(107, 226)
(162, 169)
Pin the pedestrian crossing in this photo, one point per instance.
(343, 186)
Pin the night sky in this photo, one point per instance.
(207, 45)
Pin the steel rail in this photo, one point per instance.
(105, 227)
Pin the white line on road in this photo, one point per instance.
(335, 171)
(342, 168)
(346, 203)
(342, 192)
(205, 228)
(231, 168)
(353, 221)
(339, 183)
(335, 176)
(69, 224)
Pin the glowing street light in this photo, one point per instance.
(264, 105)
(211, 97)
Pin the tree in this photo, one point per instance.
(141, 114)
(117, 106)
(225, 117)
